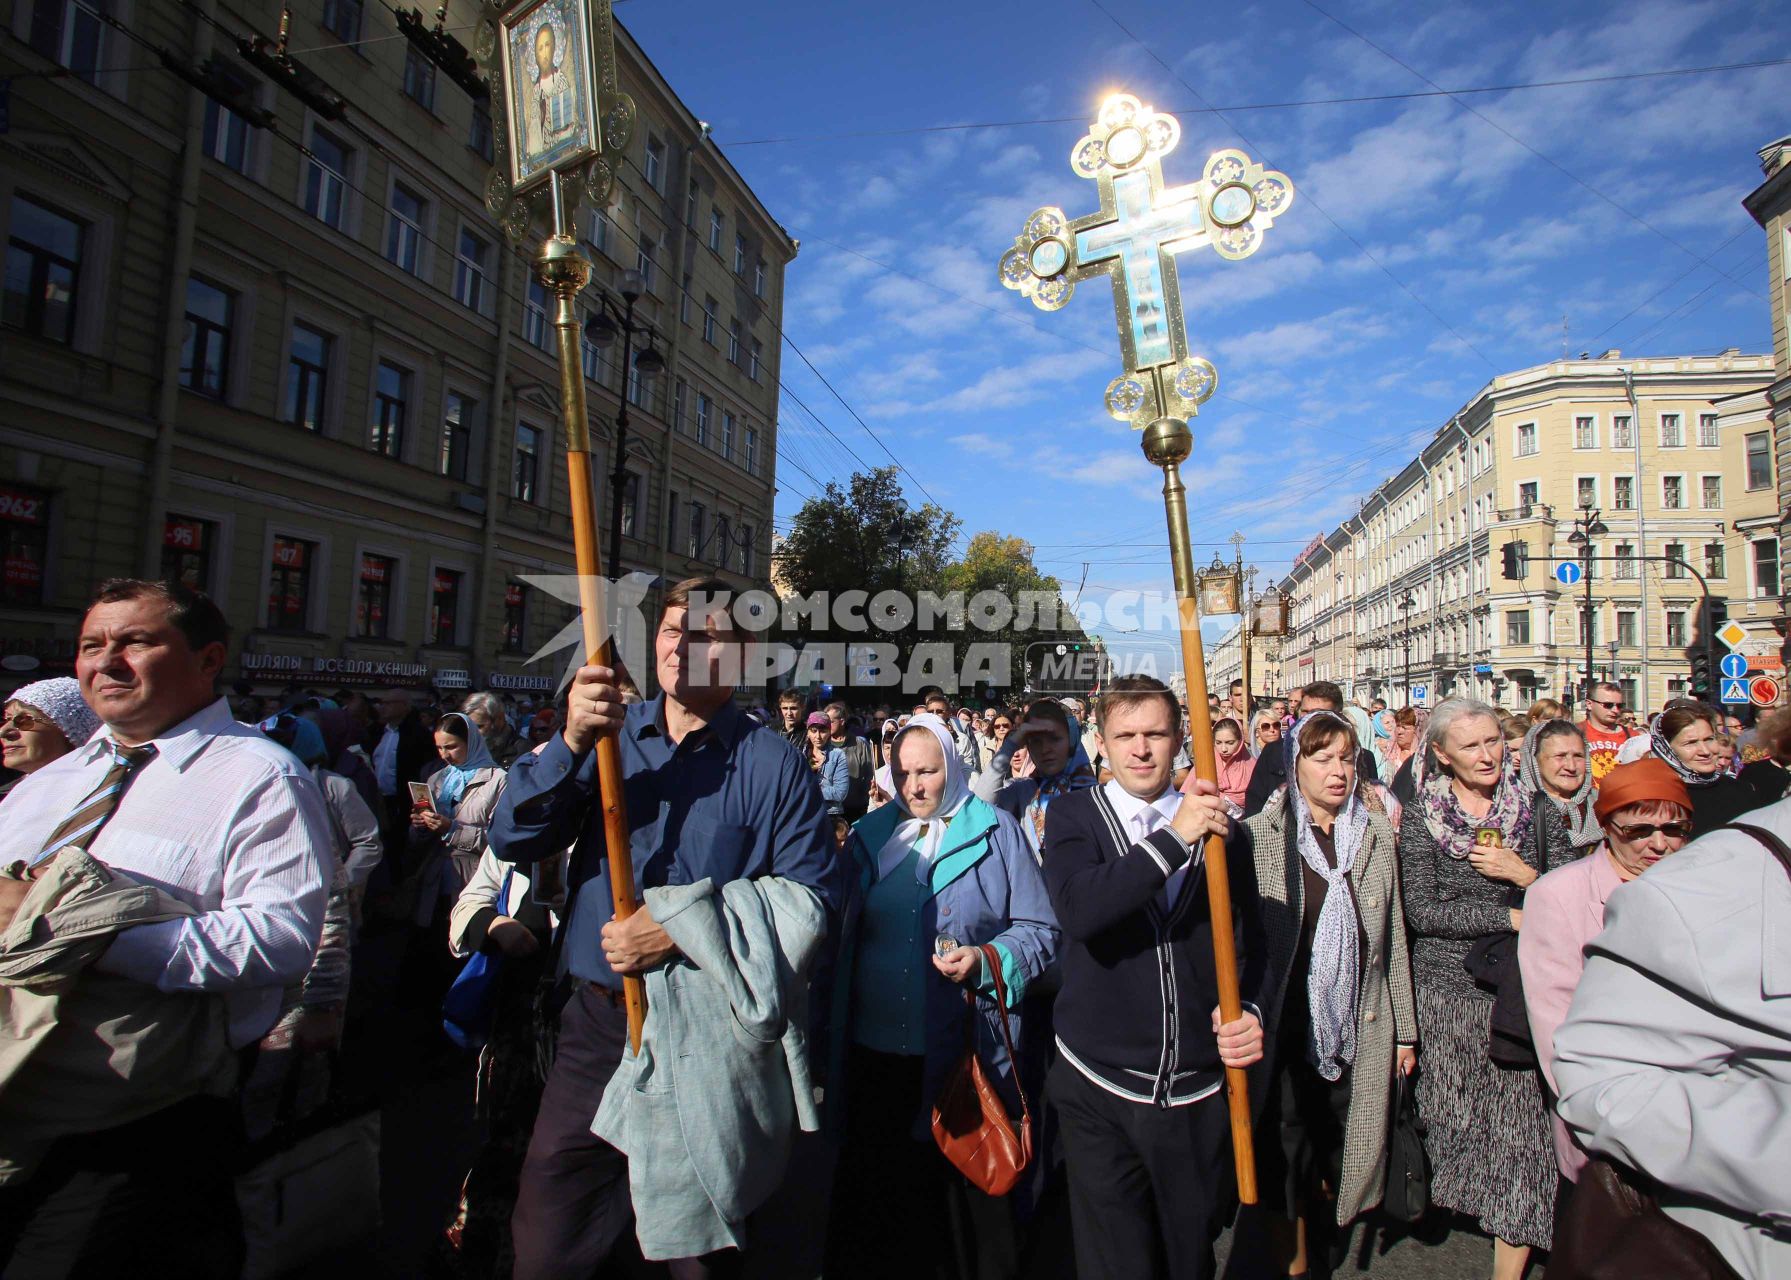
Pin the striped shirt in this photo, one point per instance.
(221, 818)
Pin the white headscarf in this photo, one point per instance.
(924, 835)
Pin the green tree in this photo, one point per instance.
(992, 562)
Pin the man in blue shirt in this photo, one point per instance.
(709, 794)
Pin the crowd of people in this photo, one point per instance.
(1569, 936)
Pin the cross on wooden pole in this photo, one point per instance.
(1133, 239)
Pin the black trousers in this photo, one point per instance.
(1145, 1182)
(572, 1201)
(154, 1198)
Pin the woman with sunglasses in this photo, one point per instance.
(1645, 810)
(43, 722)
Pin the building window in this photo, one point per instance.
(600, 231)
(289, 585)
(43, 268)
(1526, 496)
(643, 261)
(1626, 628)
(444, 606)
(1588, 626)
(205, 351)
(1585, 433)
(637, 385)
(702, 419)
(1759, 460)
(758, 279)
(516, 611)
(1586, 492)
(684, 300)
(534, 314)
(457, 436)
(678, 405)
(326, 181)
(1672, 493)
(1710, 492)
(524, 470)
(404, 234)
(746, 550)
(755, 360)
(187, 544)
(693, 544)
(1672, 434)
(1675, 553)
(1623, 493)
(25, 539)
(727, 436)
(419, 78)
(343, 18)
(739, 254)
(734, 341)
(1715, 563)
(1625, 556)
(373, 597)
(1676, 627)
(226, 133)
(631, 497)
(307, 377)
(391, 401)
(593, 359)
(654, 169)
(1766, 568)
(1707, 438)
(471, 265)
(690, 203)
(724, 542)
(752, 450)
(70, 33)
(1517, 626)
(716, 223)
(671, 520)
(709, 320)
(478, 134)
(1526, 439)
(1622, 432)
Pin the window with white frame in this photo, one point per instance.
(534, 314)
(1624, 556)
(1759, 460)
(600, 231)
(758, 279)
(1622, 432)
(342, 18)
(1766, 568)
(1623, 493)
(1526, 495)
(752, 450)
(739, 254)
(1676, 634)
(1672, 431)
(1526, 439)
(1710, 492)
(307, 377)
(227, 135)
(755, 360)
(654, 168)
(1716, 561)
(1675, 554)
(701, 434)
(404, 231)
(326, 178)
(457, 435)
(1586, 491)
(205, 348)
(643, 261)
(419, 78)
(678, 405)
(727, 435)
(1707, 436)
(391, 405)
(43, 270)
(472, 267)
(734, 341)
(709, 320)
(717, 221)
(1672, 493)
(1585, 432)
(72, 33)
(526, 463)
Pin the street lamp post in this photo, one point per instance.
(1405, 617)
(600, 331)
(1587, 526)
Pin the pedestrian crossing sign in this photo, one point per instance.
(1735, 691)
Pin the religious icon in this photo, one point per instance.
(548, 71)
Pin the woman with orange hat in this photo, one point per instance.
(1646, 813)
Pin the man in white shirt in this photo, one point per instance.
(213, 813)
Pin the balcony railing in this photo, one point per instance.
(1529, 511)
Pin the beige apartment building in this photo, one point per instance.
(1676, 456)
(303, 369)
(1770, 206)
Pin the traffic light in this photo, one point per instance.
(1514, 560)
(1700, 676)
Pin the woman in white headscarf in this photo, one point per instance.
(936, 873)
(1340, 1015)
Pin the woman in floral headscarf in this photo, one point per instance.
(1685, 738)
(1466, 853)
(1554, 770)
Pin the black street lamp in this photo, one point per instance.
(1405, 617)
(601, 330)
(1587, 526)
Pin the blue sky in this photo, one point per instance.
(1426, 250)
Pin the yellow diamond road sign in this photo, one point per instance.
(1732, 634)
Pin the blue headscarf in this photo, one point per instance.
(453, 778)
(298, 735)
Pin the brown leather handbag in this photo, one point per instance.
(970, 1121)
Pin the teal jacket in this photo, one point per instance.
(985, 887)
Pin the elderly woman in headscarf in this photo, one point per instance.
(935, 874)
(1553, 768)
(43, 721)
(1684, 737)
(1052, 740)
(1341, 1016)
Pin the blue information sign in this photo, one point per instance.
(1568, 572)
(1733, 665)
(1735, 690)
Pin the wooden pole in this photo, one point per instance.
(1167, 443)
(564, 272)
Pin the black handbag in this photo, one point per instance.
(1407, 1197)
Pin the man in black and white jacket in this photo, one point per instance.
(1139, 1082)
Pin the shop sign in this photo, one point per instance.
(500, 680)
(453, 680)
(272, 662)
(21, 506)
(186, 535)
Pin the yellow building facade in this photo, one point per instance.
(303, 369)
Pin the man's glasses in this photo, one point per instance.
(1608, 706)
(24, 722)
(1643, 830)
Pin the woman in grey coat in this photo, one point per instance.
(1340, 1013)
(1466, 853)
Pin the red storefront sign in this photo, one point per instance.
(512, 595)
(187, 535)
(373, 569)
(21, 506)
(289, 555)
(23, 572)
